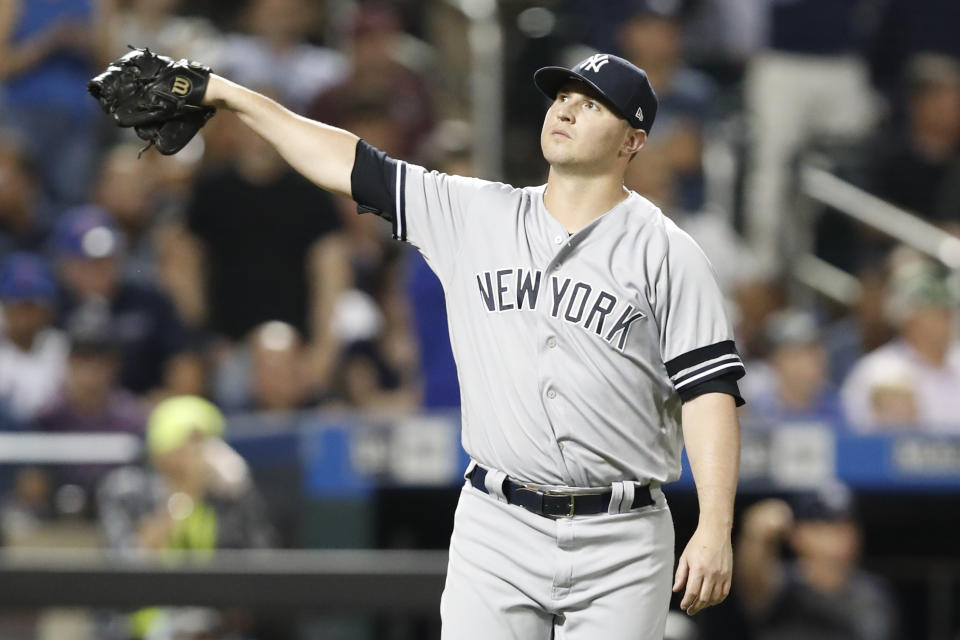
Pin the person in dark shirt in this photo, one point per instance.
(24, 214)
(257, 221)
(907, 28)
(823, 595)
(912, 172)
(810, 85)
(650, 37)
(91, 400)
(155, 349)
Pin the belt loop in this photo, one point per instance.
(657, 493)
(494, 483)
(616, 497)
(470, 468)
(629, 490)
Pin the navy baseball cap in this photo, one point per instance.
(624, 85)
(831, 502)
(26, 277)
(86, 232)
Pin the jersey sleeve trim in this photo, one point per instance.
(400, 224)
(705, 363)
(726, 383)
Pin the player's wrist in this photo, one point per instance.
(715, 523)
(215, 94)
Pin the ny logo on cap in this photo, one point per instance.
(594, 62)
(640, 114)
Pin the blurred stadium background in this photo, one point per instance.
(811, 146)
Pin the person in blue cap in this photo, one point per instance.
(591, 344)
(33, 353)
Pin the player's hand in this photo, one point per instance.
(705, 569)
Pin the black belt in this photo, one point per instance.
(554, 504)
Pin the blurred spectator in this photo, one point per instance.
(378, 367)
(48, 51)
(377, 77)
(651, 39)
(654, 176)
(33, 353)
(912, 166)
(91, 400)
(917, 374)
(822, 595)
(449, 149)
(276, 56)
(366, 352)
(269, 373)
(363, 346)
(722, 35)
(145, 196)
(810, 82)
(861, 330)
(907, 28)
(154, 346)
(25, 214)
(257, 222)
(25, 507)
(155, 24)
(126, 190)
(756, 300)
(279, 383)
(793, 383)
(197, 496)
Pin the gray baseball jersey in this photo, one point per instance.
(573, 350)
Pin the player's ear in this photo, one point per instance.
(634, 141)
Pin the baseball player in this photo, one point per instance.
(591, 343)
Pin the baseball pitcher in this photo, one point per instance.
(590, 338)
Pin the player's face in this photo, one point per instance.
(581, 132)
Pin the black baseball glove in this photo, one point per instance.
(158, 97)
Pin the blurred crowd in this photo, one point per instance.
(128, 281)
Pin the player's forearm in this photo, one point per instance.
(321, 153)
(712, 438)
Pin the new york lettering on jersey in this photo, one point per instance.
(576, 302)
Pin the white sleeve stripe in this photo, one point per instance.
(679, 375)
(399, 218)
(687, 382)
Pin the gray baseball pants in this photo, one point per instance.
(515, 575)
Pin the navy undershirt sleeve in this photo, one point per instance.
(373, 182)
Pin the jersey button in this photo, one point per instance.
(558, 239)
(552, 343)
(551, 394)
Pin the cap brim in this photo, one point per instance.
(550, 79)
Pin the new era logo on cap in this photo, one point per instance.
(624, 85)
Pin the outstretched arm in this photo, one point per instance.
(321, 153)
(712, 436)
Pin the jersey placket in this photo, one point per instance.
(552, 348)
